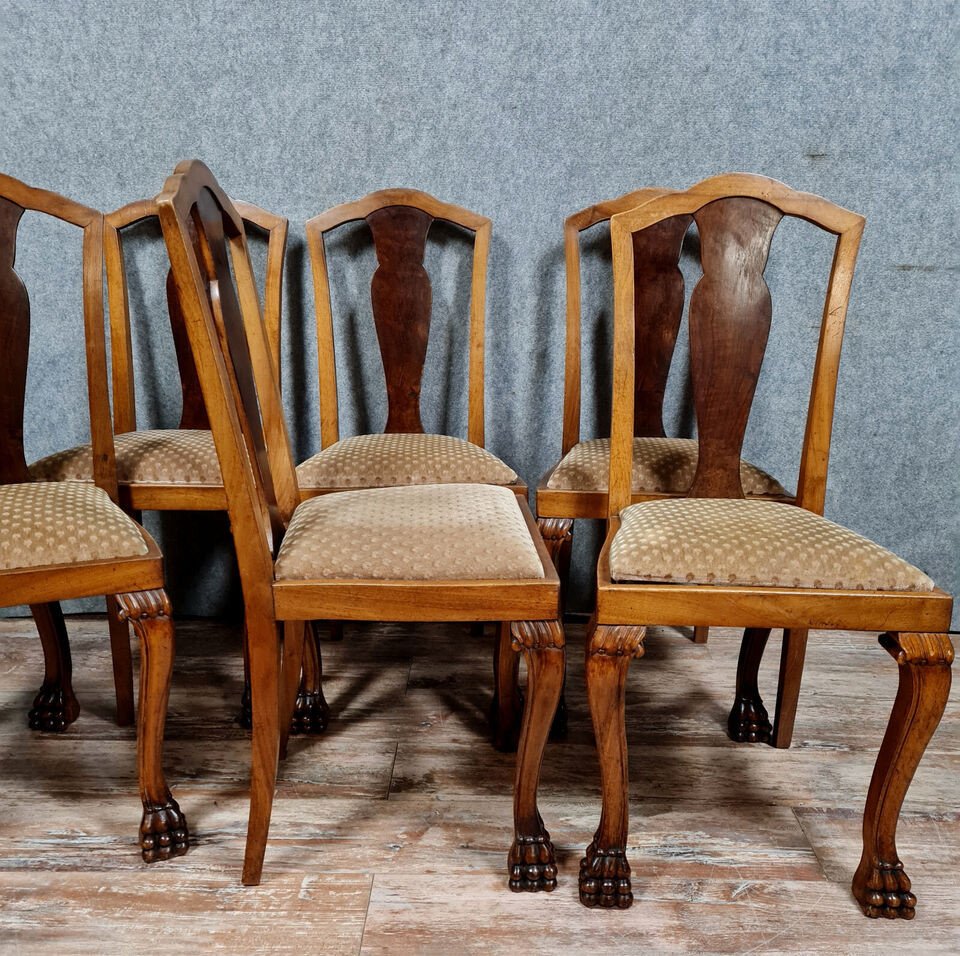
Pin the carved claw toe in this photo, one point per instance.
(532, 864)
(163, 832)
(53, 710)
(605, 879)
(311, 714)
(884, 890)
(245, 717)
(748, 722)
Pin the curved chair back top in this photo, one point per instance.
(729, 318)
(193, 414)
(401, 299)
(16, 198)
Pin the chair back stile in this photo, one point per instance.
(215, 283)
(15, 199)
(401, 299)
(193, 413)
(730, 315)
(658, 309)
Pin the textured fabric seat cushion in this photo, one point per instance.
(382, 461)
(62, 523)
(417, 533)
(660, 465)
(750, 542)
(160, 457)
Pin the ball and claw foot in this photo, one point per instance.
(533, 865)
(884, 890)
(53, 710)
(605, 879)
(163, 832)
(748, 722)
(311, 714)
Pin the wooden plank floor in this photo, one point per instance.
(390, 831)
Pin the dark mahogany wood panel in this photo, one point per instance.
(658, 304)
(730, 312)
(14, 347)
(401, 298)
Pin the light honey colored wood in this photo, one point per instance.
(215, 285)
(755, 205)
(731, 849)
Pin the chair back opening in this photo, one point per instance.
(729, 320)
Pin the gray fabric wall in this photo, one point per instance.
(524, 112)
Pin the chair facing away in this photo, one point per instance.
(456, 552)
(64, 540)
(715, 557)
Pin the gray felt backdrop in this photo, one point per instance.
(524, 112)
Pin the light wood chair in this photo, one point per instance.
(714, 557)
(455, 552)
(165, 469)
(401, 302)
(65, 540)
(575, 487)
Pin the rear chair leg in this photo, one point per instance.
(263, 646)
(163, 828)
(604, 871)
(312, 713)
(792, 655)
(55, 707)
(532, 862)
(880, 885)
(506, 708)
(122, 663)
(748, 721)
(557, 534)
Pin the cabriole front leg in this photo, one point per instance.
(163, 828)
(880, 885)
(311, 714)
(604, 870)
(532, 862)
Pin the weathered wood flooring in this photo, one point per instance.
(390, 831)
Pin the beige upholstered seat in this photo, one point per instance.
(660, 465)
(381, 461)
(750, 542)
(162, 457)
(420, 532)
(45, 523)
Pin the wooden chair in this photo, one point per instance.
(60, 541)
(401, 301)
(715, 557)
(576, 486)
(164, 469)
(456, 552)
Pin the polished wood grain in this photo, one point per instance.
(135, 583)
(215, 285)
(398, 807)
(401, 302)
(730, 315)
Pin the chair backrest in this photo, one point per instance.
(729, 321)
(217, 290)
(15, 199)
(401, 298)
(193, 414)
(658, 309)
